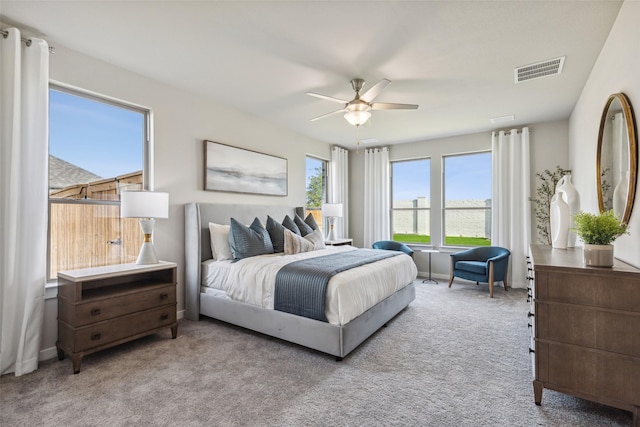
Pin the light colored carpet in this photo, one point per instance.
(454, 357)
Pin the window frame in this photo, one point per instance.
(444, 208)
(317, 212)
(416, 209)
(147, 153)
(325, 169)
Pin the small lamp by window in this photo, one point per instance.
(146, 205)
(332, 211)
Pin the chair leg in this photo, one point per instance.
(491, 280)
(504, 282)
(450, 272)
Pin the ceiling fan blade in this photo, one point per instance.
(327, 115)
(388, 106)
(328, 98)
(375, 90)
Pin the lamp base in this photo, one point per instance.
(332, 232)
(147, 254)
(147, 251)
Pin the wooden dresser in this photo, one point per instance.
(106, 306)
(586, 329)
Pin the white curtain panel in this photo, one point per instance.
(24, 127)
(338, 186)
(376, 195)
(511, 216)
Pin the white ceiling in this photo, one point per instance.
(453, 58)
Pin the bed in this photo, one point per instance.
(337, 337)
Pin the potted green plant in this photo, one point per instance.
(598, 231)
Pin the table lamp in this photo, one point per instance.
(332, 211)
(146, 205)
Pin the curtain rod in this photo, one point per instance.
(508, 131)
(5, 34)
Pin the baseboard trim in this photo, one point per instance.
(47, 354)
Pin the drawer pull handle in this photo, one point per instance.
(96, 337)
(95, 312)
(164, 296)
(164, 316)
(530, 314)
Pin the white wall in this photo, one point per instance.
(182, 121)
(549, 148)
(617, 69)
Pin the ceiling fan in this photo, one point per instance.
(358, 110)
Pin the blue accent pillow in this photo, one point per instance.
(311, 222)
(276, 233)
(290, 224)
(303, 226)
(249, 241)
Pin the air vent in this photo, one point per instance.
(502, 119)
(541, 69)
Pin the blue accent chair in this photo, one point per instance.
(486, 264)
(390, 245)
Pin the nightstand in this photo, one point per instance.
(105, 306)
(338, 242)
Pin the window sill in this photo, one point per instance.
(51, 290)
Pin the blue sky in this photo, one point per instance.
(96, 136)
(411, 179)
(466, 177)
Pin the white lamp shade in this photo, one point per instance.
(144, 204)
(332, 210)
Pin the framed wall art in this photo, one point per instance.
(238, 170)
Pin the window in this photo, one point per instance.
(411, 205)
(97, 148)
(467, 199)
(316, 185)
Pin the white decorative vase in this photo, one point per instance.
(620, 194)
(559, 221)
(597, 255)
(571, 196)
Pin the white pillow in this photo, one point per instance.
(220, 241)
(294, 244)
(316, 238)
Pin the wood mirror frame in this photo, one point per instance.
(616, 163)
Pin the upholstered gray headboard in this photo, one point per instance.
(197, 246)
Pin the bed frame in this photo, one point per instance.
(325, 337)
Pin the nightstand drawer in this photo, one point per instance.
(98, 310)
(102, 333)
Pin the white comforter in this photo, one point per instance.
(349, 294)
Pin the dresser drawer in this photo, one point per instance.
(605, 330)
(102, 333)
(98, 310)
(594, 373)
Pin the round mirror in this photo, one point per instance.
(617, 157)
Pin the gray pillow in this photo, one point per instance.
(249, 241)
(303, 226)
(290, 224)
(276, 233)
(311, 222)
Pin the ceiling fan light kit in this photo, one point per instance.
(357, 118)
(358, 110)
